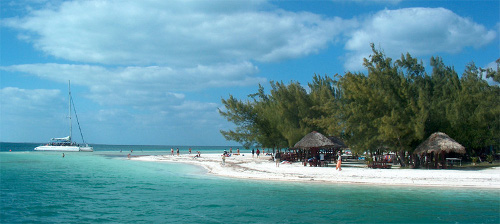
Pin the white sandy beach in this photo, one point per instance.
(244, 166)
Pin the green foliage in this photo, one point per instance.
(490, 158)
(292, 104)
(393, 107)
(387, 108)
(368, 160)
(474, 160)
(324, 114)
(490, 73)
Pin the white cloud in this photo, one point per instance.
(143, 87)
(24, 102)
(174, 33)
(371, 1)
(32, 113)
(420, 31)
(494, 66)
(141, 59)
(151, 52)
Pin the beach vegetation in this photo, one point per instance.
(474, 160)
(393, 107)
(490, 158)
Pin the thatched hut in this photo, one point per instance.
(439, 144)
(316, 143)
(314, 140)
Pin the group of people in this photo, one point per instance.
(231, 151)
(178, 151)
(253, 152)
(276, 156)
(172, 151)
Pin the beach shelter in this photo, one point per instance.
(314, 141)
(439, 144)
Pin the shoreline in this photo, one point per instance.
(262, 168)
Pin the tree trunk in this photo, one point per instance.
(402, 160)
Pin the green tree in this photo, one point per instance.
(444, 90)
(293, 106)
(491, 73)
(475, 114)
(388, 107)
(253, 124)
(395, 106)
(360, 106)
(325, 96)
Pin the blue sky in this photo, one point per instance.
(154, 72)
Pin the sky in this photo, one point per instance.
(154, 72)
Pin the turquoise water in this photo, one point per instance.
(104, 186)
(138, 149)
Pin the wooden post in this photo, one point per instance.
(444, 160)
(436, 160)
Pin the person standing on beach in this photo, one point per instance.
(258, 152)
(253, 152)
(172, 151)
(223, 159)
(277, 158)
(339, 162)
(177, 151)
(189, 151)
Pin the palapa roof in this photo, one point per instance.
(439, 142)
(314, 140)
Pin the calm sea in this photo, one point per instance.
(104, 186)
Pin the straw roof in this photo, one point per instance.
(314, 140)
(439, 142)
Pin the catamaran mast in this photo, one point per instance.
(69, 112)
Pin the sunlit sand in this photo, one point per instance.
(248, 167)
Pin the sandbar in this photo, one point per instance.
(263, 168)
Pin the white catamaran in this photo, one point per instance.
(65, 144)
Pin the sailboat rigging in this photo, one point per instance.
(66, 144)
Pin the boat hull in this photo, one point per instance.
(86, 149)
(58, 148)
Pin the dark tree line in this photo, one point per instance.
(394, 107)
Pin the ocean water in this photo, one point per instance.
(104, 186)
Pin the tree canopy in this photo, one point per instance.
(395, 106)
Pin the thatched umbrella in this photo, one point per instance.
(439, 143)
(314, 140)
